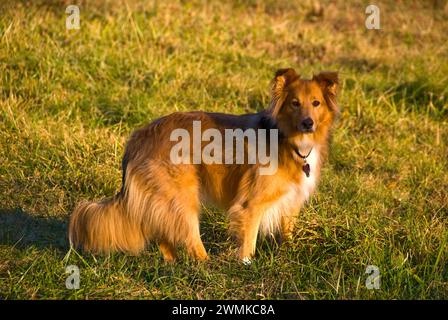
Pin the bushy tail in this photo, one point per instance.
(103, 227)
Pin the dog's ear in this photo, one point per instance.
(283, 78)
(329, 82)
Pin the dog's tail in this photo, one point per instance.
(103, 227)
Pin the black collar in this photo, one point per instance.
(297, 151)
(306, 166)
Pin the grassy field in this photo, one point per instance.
(70, 98)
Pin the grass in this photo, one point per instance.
(70, 98)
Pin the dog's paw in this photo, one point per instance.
(246, 261)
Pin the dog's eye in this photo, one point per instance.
(295, 103)
(316, 103)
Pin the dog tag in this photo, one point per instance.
(306, 169)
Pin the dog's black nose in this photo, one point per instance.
(307, 123)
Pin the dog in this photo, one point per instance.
(160, 201)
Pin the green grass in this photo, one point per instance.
(70, 98)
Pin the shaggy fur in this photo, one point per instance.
(160, 201)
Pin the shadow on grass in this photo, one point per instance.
(425, 96)
(22, 229)
(53, 5)
(360, 64)
(422, 95)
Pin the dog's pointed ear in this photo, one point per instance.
(329, 82)
(283, 78)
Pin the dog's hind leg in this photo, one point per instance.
(168, 251)
(172, 214)
(195, 247)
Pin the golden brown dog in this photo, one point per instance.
(160, 200)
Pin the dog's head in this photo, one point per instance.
(303, 107)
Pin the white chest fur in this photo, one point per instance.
(308, 184)
(295, 195)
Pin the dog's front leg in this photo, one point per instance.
(287, 228)
(245, 223)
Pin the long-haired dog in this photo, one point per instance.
(160, 200)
